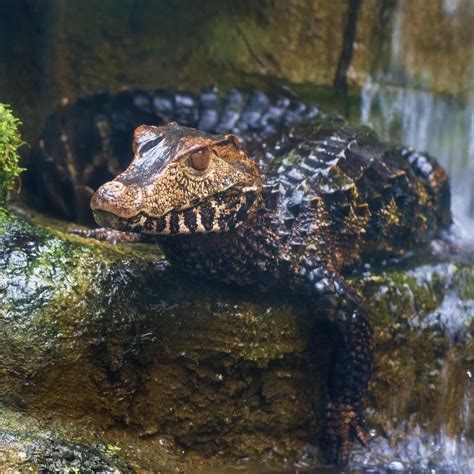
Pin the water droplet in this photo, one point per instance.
(396, 466)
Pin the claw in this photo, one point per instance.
(359, 433)
(344, 424)
(107, 235)
(80, 232)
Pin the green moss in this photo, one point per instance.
(465, 280)
(10, 141)
(418, 311)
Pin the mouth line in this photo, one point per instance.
(144, 212)
(107, 214)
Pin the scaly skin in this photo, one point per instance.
(295, 212)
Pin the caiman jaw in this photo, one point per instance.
(219, 213)
(110, 220)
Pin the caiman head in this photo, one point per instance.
(180, 181)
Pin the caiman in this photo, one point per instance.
(273, 195)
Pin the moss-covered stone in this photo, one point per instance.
(111, 336)
(111, 339)
(424, 324)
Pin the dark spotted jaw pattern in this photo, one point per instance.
(220, 214)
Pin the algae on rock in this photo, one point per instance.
(116, 340)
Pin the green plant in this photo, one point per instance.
(10, 141)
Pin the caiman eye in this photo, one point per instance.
(199, 160)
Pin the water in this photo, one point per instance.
(401, 109)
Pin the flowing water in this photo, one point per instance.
(402, 110)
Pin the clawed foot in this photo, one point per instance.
(344, 423)
(107, 235)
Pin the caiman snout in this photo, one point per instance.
(110, 191)
(117, 198)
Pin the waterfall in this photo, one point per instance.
(399, 100)
(402, 109)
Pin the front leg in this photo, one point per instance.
(339, 305)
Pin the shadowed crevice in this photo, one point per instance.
(347, 44)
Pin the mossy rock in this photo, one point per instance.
(26, 447)
(191, 44)
(113, 339)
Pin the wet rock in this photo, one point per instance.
(421, 396)
(26, 447)
(112, 337)
(398, 32)
(174, 371)
(191, 45)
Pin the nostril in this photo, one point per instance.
(111, 189)
(117, 198)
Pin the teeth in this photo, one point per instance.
(215, 225)
(183, 229)
(167, 229)
(200, 227)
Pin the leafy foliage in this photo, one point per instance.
(10, 141)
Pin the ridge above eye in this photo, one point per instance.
(199, 160)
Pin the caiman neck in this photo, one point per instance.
(179, 248)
